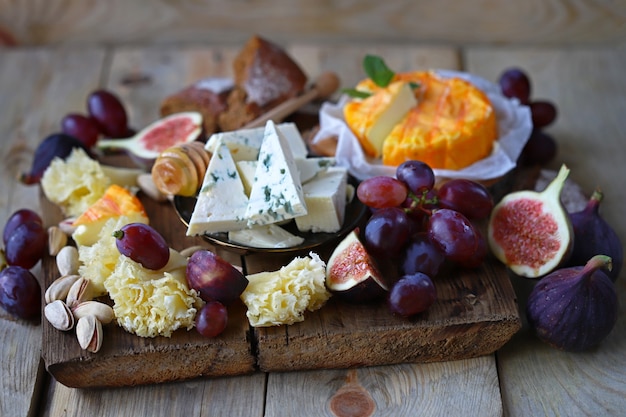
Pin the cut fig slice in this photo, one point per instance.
(146, 146)
(530, 231)
(352, 273)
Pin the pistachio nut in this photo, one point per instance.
(103, 312)
(60, 287)
(67, 226)
(67, 260)
(57, 239)
(59, 315)
(89, 333)
(80, 291)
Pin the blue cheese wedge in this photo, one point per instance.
(222, 201)
(310, 167)
(325, 198)
(276, 193)
(266, 236)
(244, 144)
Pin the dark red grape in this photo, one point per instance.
(386, 232)
(540, 149)
(468, 197)
(82, 127)
(212, 319)
(417, 175)
(381, 192)
(421, 255)
(543, 113)
(26, 245)
(108, 112)
(20, 292)
(412, 294)
(480, 253)
(17, 218)
(515, 84)
(142, 244)
(453, 234)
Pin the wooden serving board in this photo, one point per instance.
(475, 314)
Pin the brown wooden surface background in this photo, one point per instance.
(115, 22)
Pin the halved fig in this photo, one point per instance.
(530, 231)
(147, 145)
(352, 273)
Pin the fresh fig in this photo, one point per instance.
(57, 145)
(214, 278)
(147, 145)
(594, 236)
(574, 308)
(530, 231)
(352, 273)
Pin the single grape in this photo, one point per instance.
(17, 218)
(540, 149)
(453, 234)
(212, 319)
(543, 113)
(514, 83)
(381, 192)
(81, 127)
(26, 245)
(421, 255)
(108, 112)
(480, 253)
(386, 232)
(417, 175)
(411, 294)
(468, 197)
(142, 244)
(20, 292)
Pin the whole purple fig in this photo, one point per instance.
(594, 236)
(574, 308)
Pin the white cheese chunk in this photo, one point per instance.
(244, 144)
(222, 201)
(266, 236)
(325, 198)
(310, 167)
(246, 172)
(276, 193)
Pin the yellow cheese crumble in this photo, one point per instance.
(283, 296)
(75, 183)
(153, 303)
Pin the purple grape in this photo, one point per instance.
(381, 192)
(515, 84)
(386, 232)
(470, 198)
(412, 294)
(81, 127)
(417, 175)
(142, 244)
(543, 113)
(453, 234)
(17, 218)
(26, 245)
(20, 292)
(540, 149)
(212, 319)
(108, 112)
(421, 255)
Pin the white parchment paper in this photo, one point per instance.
(514, 128)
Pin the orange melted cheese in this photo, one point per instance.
(452, 126)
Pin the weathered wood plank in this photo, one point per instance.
(587, 87)
(41, 22)
(37, 87)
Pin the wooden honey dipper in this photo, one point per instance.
(180, 169)
(323, 87)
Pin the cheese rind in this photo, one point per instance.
(276, 193)
(222, 201)
(325, 197)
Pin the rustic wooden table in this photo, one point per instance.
(525, 377)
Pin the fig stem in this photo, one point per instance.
(597, 262)
(557, 183)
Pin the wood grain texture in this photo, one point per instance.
(455, 388)
(117, 22)
(587, 87)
